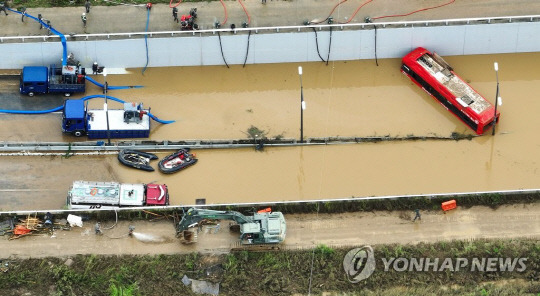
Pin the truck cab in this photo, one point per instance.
(73, 117)
(34, 80)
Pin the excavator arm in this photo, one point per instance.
(194, 216)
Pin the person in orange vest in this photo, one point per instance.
(417, 216)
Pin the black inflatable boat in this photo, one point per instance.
(137, 159)
(177, 161)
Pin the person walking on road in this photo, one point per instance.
(3, 7)
(83, 18)
(40, 21)
(48, 27)
(417, 215)
(175, 14)
(23, 13)
(87, 6)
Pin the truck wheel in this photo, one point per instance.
(67, 95)
(31, 94)
(77, 133)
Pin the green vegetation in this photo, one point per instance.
(276, 273)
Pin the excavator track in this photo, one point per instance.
(238, 247)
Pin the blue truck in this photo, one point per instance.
(66, 80)
(130, 122)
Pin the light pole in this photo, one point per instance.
(105, 87)
(302, 106)
(498, 100)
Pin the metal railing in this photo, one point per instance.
(299, 28)
(272, 203)
(99, 147)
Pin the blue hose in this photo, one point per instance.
(146, 38)
(159, 120)
(62, 37)
(112, 87)
(31, 112)
(84, 99)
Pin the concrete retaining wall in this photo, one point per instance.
(267, 46)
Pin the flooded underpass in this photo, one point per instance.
(354, 98)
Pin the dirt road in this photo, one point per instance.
(303, 231)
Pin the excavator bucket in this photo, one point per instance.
(188, 237)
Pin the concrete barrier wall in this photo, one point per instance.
(203, 48)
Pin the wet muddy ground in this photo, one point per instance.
(354, 98)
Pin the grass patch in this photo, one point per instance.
(277, 273)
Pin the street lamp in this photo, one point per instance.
(302, 106)
(105, 87)
(498, 100)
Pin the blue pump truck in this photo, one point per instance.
(130, 122)
(67, 80)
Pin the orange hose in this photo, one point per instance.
(419, 10)
(225, 9)
(332, 11)
(245, 10)
(170, 3)
(356, 11)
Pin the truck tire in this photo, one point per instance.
(67, 95)
(31, 94)
(78, 133)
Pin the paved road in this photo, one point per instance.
(303, 231)
(111, 19)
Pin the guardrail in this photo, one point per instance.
(266, 204)
(165, 34)
(27, 149)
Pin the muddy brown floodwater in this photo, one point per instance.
(353, 98)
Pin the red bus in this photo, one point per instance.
(430, 72)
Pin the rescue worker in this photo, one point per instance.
(48, 27)
(175, 14)
(87, 6)
(23, 13)
(97, 228)
(3, 7)
(40, 20)
(48, 220)
(83, 18)
(95, 68)
(417, 215)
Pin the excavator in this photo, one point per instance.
(264, 227)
